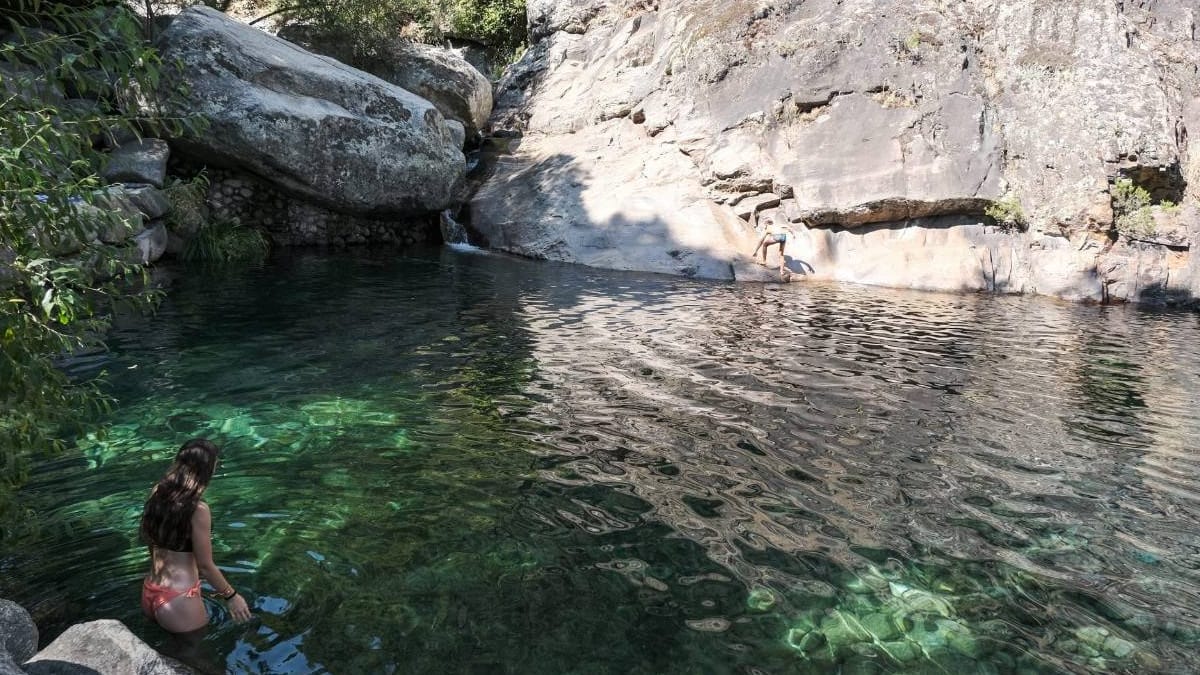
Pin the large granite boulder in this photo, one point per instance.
(104, 646)
(307, 124)
(441, 76)
(878, 125)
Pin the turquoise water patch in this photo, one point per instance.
(441, 462)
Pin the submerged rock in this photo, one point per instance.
(902, 650)
(804, 640)
(881, 626)
(843, 629)
(1118, 647)
(917, 601)
(761, 599)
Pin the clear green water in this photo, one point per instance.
(454, 462)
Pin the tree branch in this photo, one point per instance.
(278, 11)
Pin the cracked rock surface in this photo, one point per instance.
(887, 130)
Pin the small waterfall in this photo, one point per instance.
(452, 231)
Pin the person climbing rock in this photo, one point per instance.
(775, 233)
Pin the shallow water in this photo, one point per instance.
(456, 462)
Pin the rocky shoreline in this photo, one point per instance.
(988, 149)
(104, 646)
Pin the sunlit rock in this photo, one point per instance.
(439, 75)
(893, 135)
(308, 125)
(103, 646)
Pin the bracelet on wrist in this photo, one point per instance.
(229, 596)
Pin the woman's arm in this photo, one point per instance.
(202, 549)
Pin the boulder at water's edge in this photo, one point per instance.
(104, 646)
(309, 125)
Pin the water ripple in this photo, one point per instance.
(493, 465)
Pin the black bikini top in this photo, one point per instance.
(186, 548)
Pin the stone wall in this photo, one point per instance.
(289, 221)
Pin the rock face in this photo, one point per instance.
(309, 125)
(441, 76)
(888, 129)
(104, 646)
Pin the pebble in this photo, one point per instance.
(841, 629)
(1091, 635)
(805, 641)
(1148, 661)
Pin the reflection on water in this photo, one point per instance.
(457, 462)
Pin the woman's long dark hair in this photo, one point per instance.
(167, 518)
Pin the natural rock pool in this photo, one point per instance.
(455, 462)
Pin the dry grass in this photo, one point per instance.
(889, 98)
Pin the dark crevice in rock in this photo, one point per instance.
(1164, 183)
(899, 210)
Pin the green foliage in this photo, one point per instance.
(365, 25)
(912, 41)
(225, 241)
(214, 242)
(1007, 212)
(500, 23)
(189, 210)
(1133, 213)
(59, 279)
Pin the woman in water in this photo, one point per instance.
(177, 525)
